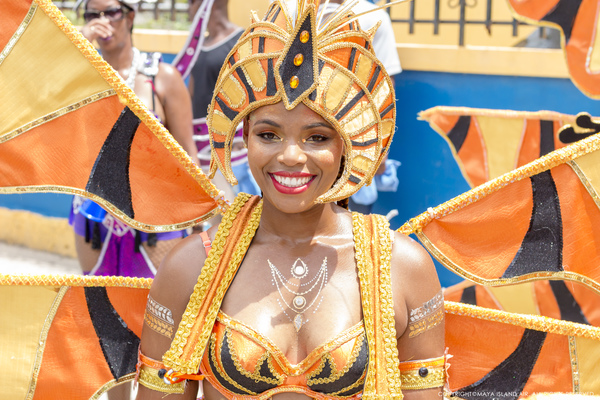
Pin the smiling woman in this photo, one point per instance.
(294, 152)
(292, 296)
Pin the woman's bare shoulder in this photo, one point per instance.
(179, 272)
(414, 276)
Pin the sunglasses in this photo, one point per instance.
(112, 14)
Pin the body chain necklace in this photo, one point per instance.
(299, 304)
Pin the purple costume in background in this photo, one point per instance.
(121, 249)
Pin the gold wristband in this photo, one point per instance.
(151, 375)
(423, 374)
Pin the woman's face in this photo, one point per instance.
(117, 17)
(294, 155)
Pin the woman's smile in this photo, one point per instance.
(291, 182)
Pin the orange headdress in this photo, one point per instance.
(330, 67)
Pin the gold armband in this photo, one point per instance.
(423, 374)
(151, 374)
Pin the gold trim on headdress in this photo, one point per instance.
(330, 68)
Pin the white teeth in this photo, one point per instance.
(292, 182)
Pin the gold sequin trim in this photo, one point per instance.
(149, 378)
(549, 161)
(56, 114)
(434, 371)
(535, 322)
(574, 363)
(109, 207)
(365, 266)
(18, 33)
(586, 182)
(129, 98)
(446, 110)
(387, 305)
(535, 276)
(335, 374)
(427, 316)
(172, 357)
(37, 364)
(255, 375)
(75, 280)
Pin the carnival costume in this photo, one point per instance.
(88, 327)
(121, 247)
(204, 64)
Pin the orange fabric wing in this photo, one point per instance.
(577, 21)
(534, 223)
(73, 337)
(71, 125)
(489, 143)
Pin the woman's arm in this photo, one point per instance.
(419, 312)
(177, 103)
(169, 295)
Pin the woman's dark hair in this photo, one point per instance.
(343, 202)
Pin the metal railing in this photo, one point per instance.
(462, 21)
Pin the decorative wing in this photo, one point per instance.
(537, 222)
(489, 143)
(503, 355)
(577, 21)
(71, 125)
(69, 337)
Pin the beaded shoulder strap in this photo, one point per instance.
(232, 240)
(373, 249)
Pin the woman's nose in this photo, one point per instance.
(292, 154)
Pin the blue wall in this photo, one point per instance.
(429, 175)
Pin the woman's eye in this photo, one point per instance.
(268, 136)
(317, 138)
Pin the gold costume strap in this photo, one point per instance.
(232, 240)
(151, 375)
(373, 247)
(423, 374)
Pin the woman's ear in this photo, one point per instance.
(130, 16)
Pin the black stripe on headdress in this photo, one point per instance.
(229, 113)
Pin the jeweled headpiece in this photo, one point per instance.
(330, 67)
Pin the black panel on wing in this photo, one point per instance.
(468, 296)
(109, 178)
(563, 14)
(568, 306)
(546, 137)
(508, 379)
(458, 133)
(119, 344)
(542, 246)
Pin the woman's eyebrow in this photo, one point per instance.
(318, 125)
(268, 122)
